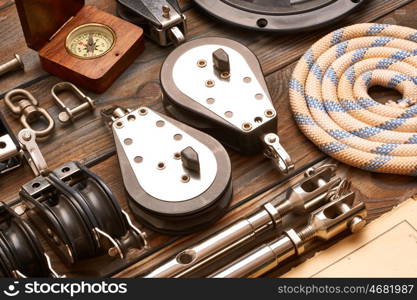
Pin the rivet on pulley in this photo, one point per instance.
(69, 114)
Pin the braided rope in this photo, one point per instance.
(331, 105)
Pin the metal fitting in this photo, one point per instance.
(276, 152)
(325, 223)
(318, 187)
(25, 107)
(69, 114)
(32, 152)
(13, 65)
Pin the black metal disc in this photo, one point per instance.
(279, 15)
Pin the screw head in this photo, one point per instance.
(357, 224)
(63, 117)
(26, 135)
(19, 61)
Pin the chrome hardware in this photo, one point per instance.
(69, 114)
(139, 232)
(220, 83)
(15, 64)
(277, 153)
(10, 157)
(193, 167)
(153, 168)
(23, 105)
(113, 241)
(312, 191)
(51, 269)
(162, 20)
(325, 223)
(240, 102)
(117, 249)
(32, 152)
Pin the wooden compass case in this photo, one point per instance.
(46, 24)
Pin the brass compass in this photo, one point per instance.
(90, 41)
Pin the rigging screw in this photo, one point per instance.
(13, 65)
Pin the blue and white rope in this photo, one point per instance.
(331, 105)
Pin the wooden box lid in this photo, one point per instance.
(40, 19)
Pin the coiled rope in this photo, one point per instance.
(331, 105)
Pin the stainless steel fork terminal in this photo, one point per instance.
(13, 65)
(324, 224)
(311, 192)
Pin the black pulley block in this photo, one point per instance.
(79, 215)
(279, 15)
(21, 254)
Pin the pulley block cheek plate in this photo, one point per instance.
(178, 179)
(61, 222)
(21, 253)
(279, 15)
(237, 109)
(217, 85)
(80, 214)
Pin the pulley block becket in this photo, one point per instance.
(217, 85)
(79, 215)
(178, 179)
(21, 254)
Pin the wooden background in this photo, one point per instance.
(89, 141)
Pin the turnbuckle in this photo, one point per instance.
(318, 187)
(26, 107)
(277, 153)
(69, 114)
(338, 215)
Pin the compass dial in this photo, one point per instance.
(90, 41)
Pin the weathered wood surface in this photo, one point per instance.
(88, 140)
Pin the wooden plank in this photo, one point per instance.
(10, 30)
(89, 139)
(389, 192)
(274, 51)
